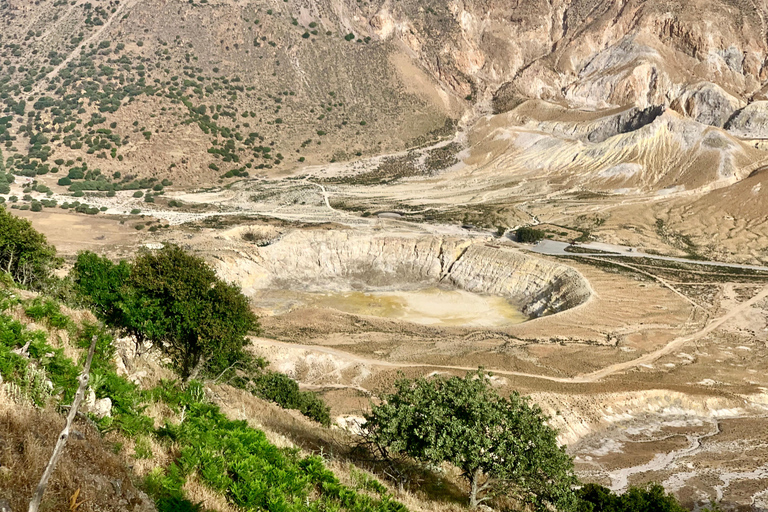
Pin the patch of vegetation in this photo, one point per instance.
(174, 300)
(502, 447)
(529, 235)
(25, 254)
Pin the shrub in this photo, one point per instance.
(529, 235)
(177, 298)
(500, 445)
(653, 498)
(285, 392)
(25, 253)
(48, 310)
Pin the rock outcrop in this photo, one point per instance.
(751, 121)
(590, 55)
(707, 103)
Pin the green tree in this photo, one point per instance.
(101, 281)
(596, 498)
(25, 254)
(529, 235)
(501, 446)
(175, 300)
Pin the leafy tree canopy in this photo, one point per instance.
(501, 445)
(596, 498)
(100, 280)
(25, 254)
(529, 235)
(176, 301)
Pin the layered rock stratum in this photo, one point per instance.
(338, 261)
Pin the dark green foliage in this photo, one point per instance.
(99, 281)
(176, 503)
(42, 356)
(173, 299)
(501, 445)
(176, 298)
(25, 254)
(529, 235)
(596, 498)
(284, 391)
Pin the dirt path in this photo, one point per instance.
(325, 194)
(648, 358)
(661, 281)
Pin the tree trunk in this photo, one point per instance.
(196, 370)
(474, 489)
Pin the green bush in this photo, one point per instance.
(285, 392)
(48, 310)
(529, 235)
(25, 253)
(596, 498)
(238, 461)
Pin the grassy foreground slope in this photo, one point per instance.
(191, 439)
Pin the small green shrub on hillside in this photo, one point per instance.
(238, 462)
(49, 311)
(284, 391)
(596, 498)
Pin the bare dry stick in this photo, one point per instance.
(57, 451)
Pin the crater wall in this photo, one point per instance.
(340, 260)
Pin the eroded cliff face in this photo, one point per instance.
(340, 261)
(705, 58)
(623, 151)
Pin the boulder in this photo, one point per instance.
(101, 408)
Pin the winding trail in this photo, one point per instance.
(324, 192)
(620, 477)
(663, 282)
(595, 376)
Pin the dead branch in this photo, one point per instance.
(59, 448)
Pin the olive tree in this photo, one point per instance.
(502, 446)
(101, 282)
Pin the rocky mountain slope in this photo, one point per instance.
(533, 100)
(188, 89)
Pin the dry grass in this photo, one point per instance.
(27, 437)
(197, 492)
